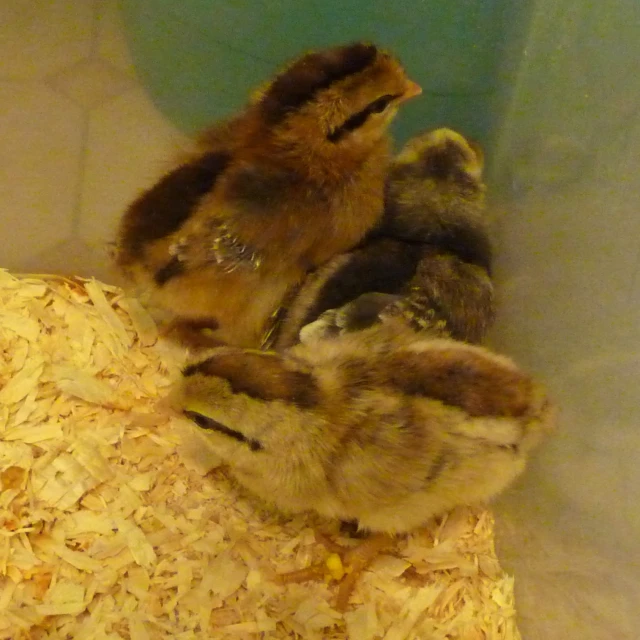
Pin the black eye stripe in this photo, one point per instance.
(171, 269)
(358, 119)
(210, 424)
(379, 105)
(353, 123)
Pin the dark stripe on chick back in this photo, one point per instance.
(261, 376)
(383, 266)
(314, 72)
(471, 244)
(439, 464)
(165, 207)
(461, 379)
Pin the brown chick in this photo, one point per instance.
(293, 180)
(381, 426)
(428, 262)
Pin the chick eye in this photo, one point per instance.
(358, 119)
(379, 105)
(204, 422)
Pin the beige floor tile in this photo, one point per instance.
(112, 45)
(129, 146)
(40, 151)
(38, 37)
(91, 82)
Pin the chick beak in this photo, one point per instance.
(413, 89)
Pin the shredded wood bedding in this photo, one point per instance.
(116, 521)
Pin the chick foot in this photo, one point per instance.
(343, 565)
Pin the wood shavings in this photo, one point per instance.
(84, 386)
(19, 385)
(106, 311)
(116, 522)
(143, 324)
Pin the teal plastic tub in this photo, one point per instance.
(199, 59)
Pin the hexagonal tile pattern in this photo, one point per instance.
(129, 146)
(39, 37)
(91, 82)
(40, 155)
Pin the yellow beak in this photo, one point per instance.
(413, 89)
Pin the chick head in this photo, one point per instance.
(336, 99)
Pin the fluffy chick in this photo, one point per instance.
(428, 262)
(293, 180)
(382, 426)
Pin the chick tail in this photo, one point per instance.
(540, 419)
(522, 433)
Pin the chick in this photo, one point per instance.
(428, 262)
(293, 180)
(382, 426)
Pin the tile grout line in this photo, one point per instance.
(81, 174)
(84, 147)
(95, 36)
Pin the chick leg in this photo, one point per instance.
(352, 529)
(357, 560)
(343, 564)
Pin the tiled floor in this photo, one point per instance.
(79, 136)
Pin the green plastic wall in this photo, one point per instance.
(199, 59)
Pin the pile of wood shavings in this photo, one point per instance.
(115, 523)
